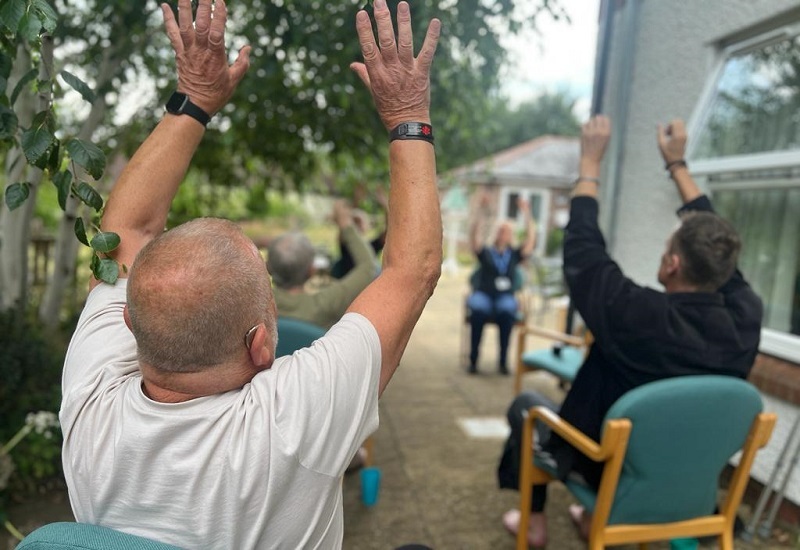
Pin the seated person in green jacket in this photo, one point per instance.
(290, 260)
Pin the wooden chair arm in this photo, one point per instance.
(598, 452)
(569, 339)
(570, 433)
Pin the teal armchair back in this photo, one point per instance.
(82, 536)
(664, 446)
(294, 334)
(705, 419)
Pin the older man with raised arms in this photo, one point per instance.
(185, 429)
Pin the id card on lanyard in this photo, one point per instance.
(502, 283)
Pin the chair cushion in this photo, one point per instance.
(82, 536)
(565, 365)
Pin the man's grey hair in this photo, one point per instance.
(290, 258)
(193, 294)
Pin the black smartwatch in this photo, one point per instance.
(180, 104)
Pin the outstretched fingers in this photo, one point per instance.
(425, 57)
(202, 23)
(361, 71)
(240, 66)
(185, 22)
(171, 26)
(383, 20)
(405, 37)
(216, 34)
(369, 49)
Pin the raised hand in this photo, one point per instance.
(202, 62)
(399, 82)
(342, 214)
(672, 141)
(595, 136)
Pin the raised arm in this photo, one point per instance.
(476, 226)
(672, 144)
(595, 136)
(341, 294)
(412, 259)
(138, 205)
(530, 229)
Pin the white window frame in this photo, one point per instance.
(541, 222)
(776, 343)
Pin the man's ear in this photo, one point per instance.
(674, 264)
(127, 316)
(261, 349)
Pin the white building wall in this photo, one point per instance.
(675, 49)
(674, 54)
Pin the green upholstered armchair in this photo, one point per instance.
(664, 446)
(82, 536)
(294, 334)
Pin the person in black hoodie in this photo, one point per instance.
(706, 321)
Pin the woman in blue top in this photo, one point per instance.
(493, 284)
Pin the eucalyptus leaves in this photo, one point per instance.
(64, 161)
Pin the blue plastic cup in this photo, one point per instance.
(683, 544)
(370, 485)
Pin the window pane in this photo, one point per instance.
(768, 221)
(511, 206)
(756, 108)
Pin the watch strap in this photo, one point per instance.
(196, 113)
(180, 104)
(412, 130)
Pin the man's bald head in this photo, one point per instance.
(194, 292)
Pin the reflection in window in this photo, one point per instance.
(768, 221)
(756, 108)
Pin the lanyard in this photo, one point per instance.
(501, 261)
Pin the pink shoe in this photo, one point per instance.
(581, 520)
(537, 531)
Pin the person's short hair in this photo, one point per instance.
(708, 247)
(193, 294)
(290, 258)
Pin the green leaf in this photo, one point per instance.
(54, 162)
(5, 64)
(80, 231)
(88, 155)
(63, 182)
(79, 86)
(106, 270)
(37, 139)
(8, 123)
(105, 242)
(30, 26)
(16, 194)
(47, 14)
(11, 14)
(89, 196)
(26, 78)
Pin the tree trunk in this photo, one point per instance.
(15, 225)
(66, 244)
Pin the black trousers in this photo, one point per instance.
(509, 467)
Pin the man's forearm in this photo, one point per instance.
(589, 171)
(414, 233)
(685, 183)
(141, 198)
